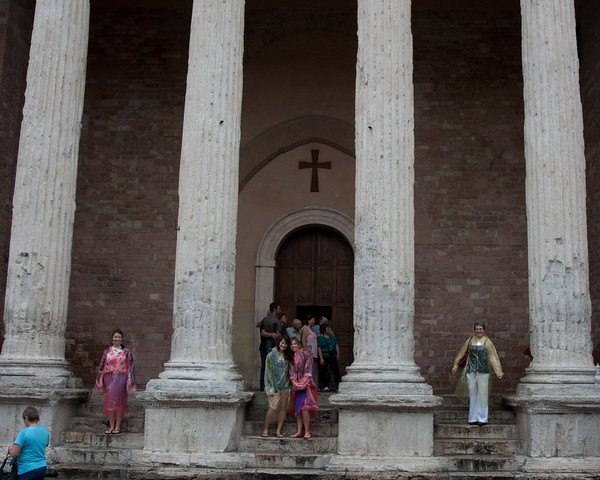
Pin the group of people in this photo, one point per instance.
(294, 360)
(292, 356)
(316, 337)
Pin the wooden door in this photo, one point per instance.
(315, 271)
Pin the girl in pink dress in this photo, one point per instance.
(303, 400)
(116, 379)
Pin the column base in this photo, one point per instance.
(41, 373)
(198, 410)
(56, 406)
(558, 420)
(376, 467)
(367, 423)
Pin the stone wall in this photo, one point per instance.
(16, 19)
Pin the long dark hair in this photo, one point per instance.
(287, 353)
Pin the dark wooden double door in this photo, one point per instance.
(315, 274)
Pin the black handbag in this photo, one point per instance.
(12, 474)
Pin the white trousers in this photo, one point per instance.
(478, 397)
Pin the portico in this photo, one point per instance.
(204, 387)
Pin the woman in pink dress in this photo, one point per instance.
(304, 389)
(116, 379)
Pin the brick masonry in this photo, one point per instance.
(469, 173)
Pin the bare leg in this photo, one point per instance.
(282, 411)
(299, 423)
(268, 419)
(306, 421)
(111, 420)
(118, 418)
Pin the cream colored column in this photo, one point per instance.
(196, 404)
(559, 300)
(383, 392)
(556, 402)
(384, 211)
(39, 266)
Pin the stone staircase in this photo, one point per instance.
(472, 452)
(486, 452)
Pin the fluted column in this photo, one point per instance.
(557, 404)
(197, 403)
(208, 192)
(383, 392)
(384, 211)
(559, 301)
(39, 266)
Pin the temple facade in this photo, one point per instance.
(404, 168)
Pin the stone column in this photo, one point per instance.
(556, 400)
(33, 365)
(196, 406)
(383, 392)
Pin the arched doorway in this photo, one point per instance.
(315, 271)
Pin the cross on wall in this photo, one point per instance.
(315, 165)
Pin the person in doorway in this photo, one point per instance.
(480, 356)
(270, 331)
(29, 448)
(329, 355)
(303, 401)
(309, 342)
(284, 323)
(277, 384)
(317, 327)
(294, 330)
(116, 379)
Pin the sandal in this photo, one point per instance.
(116, 432)
(296, 435)
(307, 436)
(108, 432)
(279, 435)
(264, 435)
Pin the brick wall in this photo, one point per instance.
(470, 170)
(588, 15)
(16, 19)
(126, 219)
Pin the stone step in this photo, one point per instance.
(482, 463)
(490, 431)
(93, 439)
(325, 415)
(100, 424)
(93, 407)
(291, 460)
(475, 447)
(77, 454)
(460, 415)
(315, 445)
(321, 429)
(482, 476)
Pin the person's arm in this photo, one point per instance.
(131, 388)
(460, 353)
(304, 335)
(266, 334)
(321, 359)
(99, 385)
(14, 450)
(494, 359)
